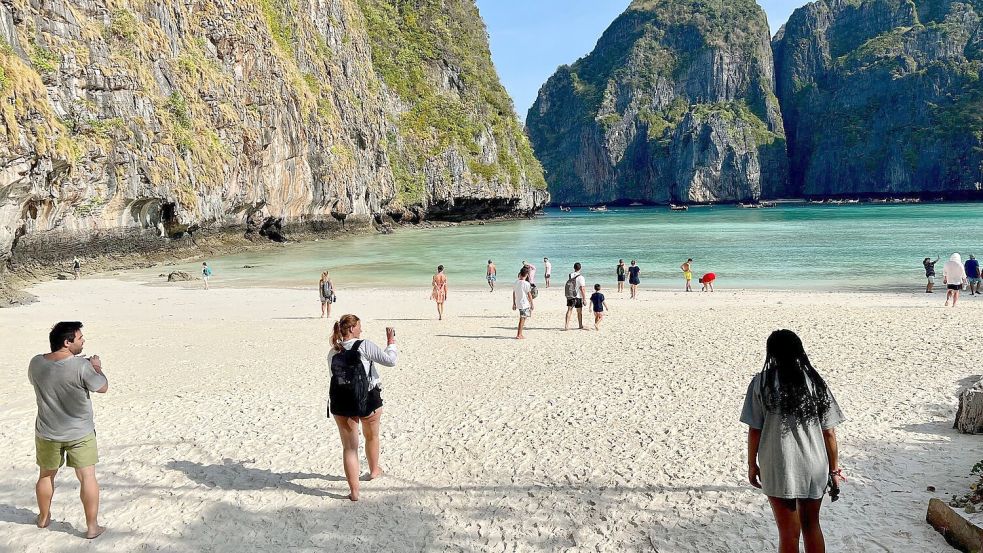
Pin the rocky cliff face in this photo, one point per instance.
(137, 121)
(675, 104)
(883, 97)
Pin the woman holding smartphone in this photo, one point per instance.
(792, 451)
(345, 337)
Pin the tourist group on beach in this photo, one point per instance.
(789, 410)
(956, 276)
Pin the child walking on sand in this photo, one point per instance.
(598, 306)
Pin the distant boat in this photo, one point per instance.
(674, 207)
(564, 209)
(749, 206)
(635, 204)
(598, 208)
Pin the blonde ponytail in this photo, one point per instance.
(342, 326)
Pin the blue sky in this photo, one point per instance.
(531, 38)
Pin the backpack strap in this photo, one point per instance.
(356, 345)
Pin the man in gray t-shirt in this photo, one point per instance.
(64, 431)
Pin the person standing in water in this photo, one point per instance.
(688, 273)
(439, 294)
(206, 273)
(325, 290)
(76, 267)
(791, 441)
(953, 276)
(622, 272)
(930, 273)
(633, 278)
(547, 270)
(491, 274)
(522, 300)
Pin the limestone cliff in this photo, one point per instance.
(135, 121)
(675, 104)
(883, 97)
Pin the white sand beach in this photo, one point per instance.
(213, 435)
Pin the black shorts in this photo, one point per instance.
(621, 278)
(634, 281)
(342, 408)
(575, 302)
(954, 286)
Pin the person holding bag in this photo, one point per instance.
(355, 394)
(792, 450)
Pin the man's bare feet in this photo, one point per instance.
(378, 473)
(94, 533)
(353, 496)
(43, 523)
(520, 337)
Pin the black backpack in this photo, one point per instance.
(348, 394)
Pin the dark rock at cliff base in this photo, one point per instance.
(179, 276)
(883, 97)
(675, 104)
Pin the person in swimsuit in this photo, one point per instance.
(439, 293)
(621, 272)
(325, 290)
(688, 273)
(633, 278)
(792, 451)
(548, 268)
(491, 273)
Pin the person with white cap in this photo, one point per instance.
(953, 276)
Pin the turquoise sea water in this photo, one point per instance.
(863, 246)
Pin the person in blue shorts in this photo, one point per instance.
(598, 306)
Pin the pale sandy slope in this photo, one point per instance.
(214, 437)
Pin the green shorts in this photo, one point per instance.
(80, 453)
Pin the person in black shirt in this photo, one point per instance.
(930, 273)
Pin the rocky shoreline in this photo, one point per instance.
(49, 256)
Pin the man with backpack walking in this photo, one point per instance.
(576, 291)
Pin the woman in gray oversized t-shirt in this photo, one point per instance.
(792, 452)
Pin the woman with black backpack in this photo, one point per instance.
(792, 450)
(355, 393)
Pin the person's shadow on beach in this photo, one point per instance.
(234, 475)
(17, 515)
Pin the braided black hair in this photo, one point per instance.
(786, 379)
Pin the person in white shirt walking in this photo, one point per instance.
(522, 300)
(953, 276)
(576, 292)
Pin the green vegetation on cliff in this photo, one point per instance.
(665, 74)
(434, 55)
(898, 108)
